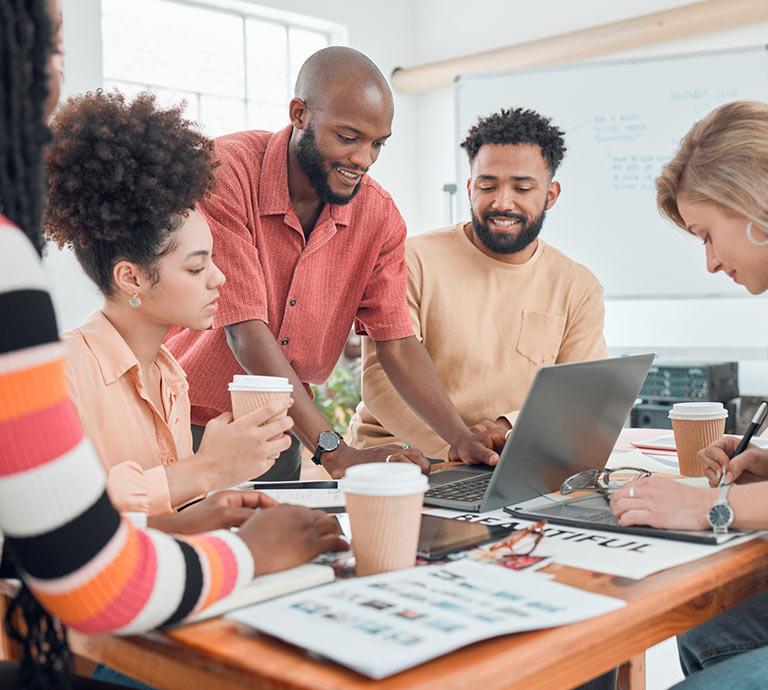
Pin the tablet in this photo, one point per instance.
(440, 536)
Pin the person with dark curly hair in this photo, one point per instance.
(310, 245)
(123, 181)
(531, 304)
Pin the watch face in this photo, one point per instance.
(720, 515)
(328, 440)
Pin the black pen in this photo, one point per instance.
(754, 425)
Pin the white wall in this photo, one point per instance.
(419, 159)
(384, 31)
(448, 28)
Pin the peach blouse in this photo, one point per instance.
(133, 439)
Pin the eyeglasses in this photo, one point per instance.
(604, 482)
(513, 550)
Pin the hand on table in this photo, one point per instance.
(664, 503)
(337, 462)
(222, 510)
(285, 536)
(749, 466)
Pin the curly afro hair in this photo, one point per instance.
(518, 126)
(121, 178)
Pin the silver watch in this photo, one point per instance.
(720, 515)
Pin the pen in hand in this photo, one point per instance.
(754, 425)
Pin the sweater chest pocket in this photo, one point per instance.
(540, 337)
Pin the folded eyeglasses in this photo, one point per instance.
(604, 481)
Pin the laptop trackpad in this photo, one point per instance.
(453, 475)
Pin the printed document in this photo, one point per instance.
(387, 623)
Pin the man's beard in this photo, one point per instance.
(311, 162)
(500, 242)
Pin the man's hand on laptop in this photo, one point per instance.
(492, 434)
(471, 451)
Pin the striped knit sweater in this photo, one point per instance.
(85, 564)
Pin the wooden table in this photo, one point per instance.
(223, 655)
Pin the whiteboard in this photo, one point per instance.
(622, 122)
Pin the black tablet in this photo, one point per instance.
(440, 536)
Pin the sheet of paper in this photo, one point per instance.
(643, 461)
(629, 555)
(387, 623)
(312, 498)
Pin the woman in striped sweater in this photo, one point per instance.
(83, 563)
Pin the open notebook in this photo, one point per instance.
(268, 587)
(324, 495)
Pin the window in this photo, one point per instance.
(232, 62)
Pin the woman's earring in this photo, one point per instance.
(134, 301)
(759, 243)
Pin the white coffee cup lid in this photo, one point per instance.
(383, 479)
(249, 382)
(698, 410)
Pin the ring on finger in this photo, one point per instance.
(388, 458)
(631, 491)
(405, 446)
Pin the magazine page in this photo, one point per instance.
(387, 623)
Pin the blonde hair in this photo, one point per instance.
(723, 159)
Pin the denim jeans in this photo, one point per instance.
(730, 652)
(604, 682)
(105, 673)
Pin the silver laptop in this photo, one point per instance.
(570, 421)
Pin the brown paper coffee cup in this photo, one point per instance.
(385, 531)
(244, 402)
(691, 436)
(384, 503)
(249, 393)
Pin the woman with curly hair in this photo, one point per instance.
(123, 180)
(80, 561)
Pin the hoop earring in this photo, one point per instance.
(759, 243)
(134, 301)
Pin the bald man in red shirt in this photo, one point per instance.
(310, 245)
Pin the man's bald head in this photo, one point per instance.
(339, 71)
(342, 116)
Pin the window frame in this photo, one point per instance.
(336, 34)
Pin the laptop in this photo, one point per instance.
(569, 422)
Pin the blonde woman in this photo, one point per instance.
(716, 188)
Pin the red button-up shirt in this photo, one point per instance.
(309, 293)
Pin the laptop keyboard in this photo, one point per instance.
(469, 490)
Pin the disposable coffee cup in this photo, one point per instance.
(696, 425)
(384, 502)
(250, 392)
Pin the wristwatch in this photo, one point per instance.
(720, 516)
(327, 442)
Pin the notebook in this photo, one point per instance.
(324, 495)
(666, 442)
(268, 587)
